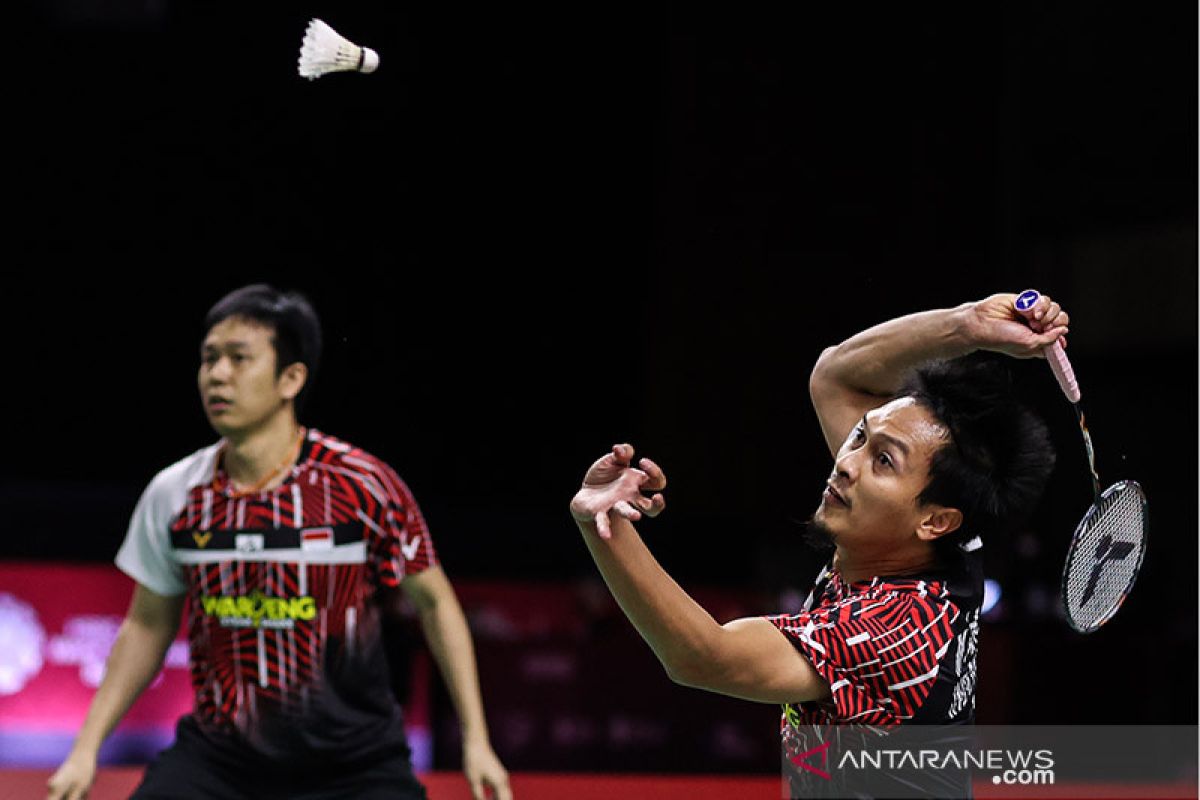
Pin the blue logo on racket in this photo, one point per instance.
(1026, 299)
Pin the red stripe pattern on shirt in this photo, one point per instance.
(241, 665)
(878, 644)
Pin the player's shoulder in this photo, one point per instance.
(931, 592)
(928, 603)
(187, 473)
(330, 451)
(885, 599)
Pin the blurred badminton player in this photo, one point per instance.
(932, 456)
(290, 546)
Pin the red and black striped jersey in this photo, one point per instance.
(283, 618)
(894, 651)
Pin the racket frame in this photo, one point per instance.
(1073, 552)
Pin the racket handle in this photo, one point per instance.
(1055, 355)
(1061, 367)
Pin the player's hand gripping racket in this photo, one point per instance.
(1106, 552)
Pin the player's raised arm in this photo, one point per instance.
(862, 372)
(748, 658)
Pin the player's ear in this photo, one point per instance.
(292, 379)
(936, 521)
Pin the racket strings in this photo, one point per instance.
(1106, 556)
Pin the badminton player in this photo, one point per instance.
(931, 457)
(290, 546)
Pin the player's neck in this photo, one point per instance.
(857, 566)
(258, 459)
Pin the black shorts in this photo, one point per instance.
(193, 769)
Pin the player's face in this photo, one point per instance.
(871, 498)
(238, 384)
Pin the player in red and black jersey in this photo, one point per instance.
(931, 456)
(289, 547)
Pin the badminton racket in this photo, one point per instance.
(1109, 544)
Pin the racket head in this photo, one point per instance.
(1105, 556)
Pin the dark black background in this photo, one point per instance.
(539, 230)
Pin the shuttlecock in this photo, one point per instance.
(325, 50)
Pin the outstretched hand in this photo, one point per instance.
(486, 775)
(73, 779)
(612, 483)
(995, 324)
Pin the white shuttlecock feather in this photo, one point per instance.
(325, 50)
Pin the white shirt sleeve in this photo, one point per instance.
(146, 555)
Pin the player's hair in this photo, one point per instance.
(999, 456)
(296, 328)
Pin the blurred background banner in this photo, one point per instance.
(57, 625)
(569, 686)
(535, 231)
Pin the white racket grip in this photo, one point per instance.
(1061, 367)
(1054, 352)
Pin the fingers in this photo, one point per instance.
(626, 509)
(657, 478)
(615, 485)
(58, 789)
(649, 506)
(1056, 317)
(629, 509)
(1047, 314)
(602, 528)
(1047, 322)
(1039, 308)
(651, 480)
(657, 504)
(623, 454)
(67, 793)
(651, 475)
(501, 789)
(1044, 340)
(476, 784)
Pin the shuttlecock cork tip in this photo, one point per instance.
(370, 60)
